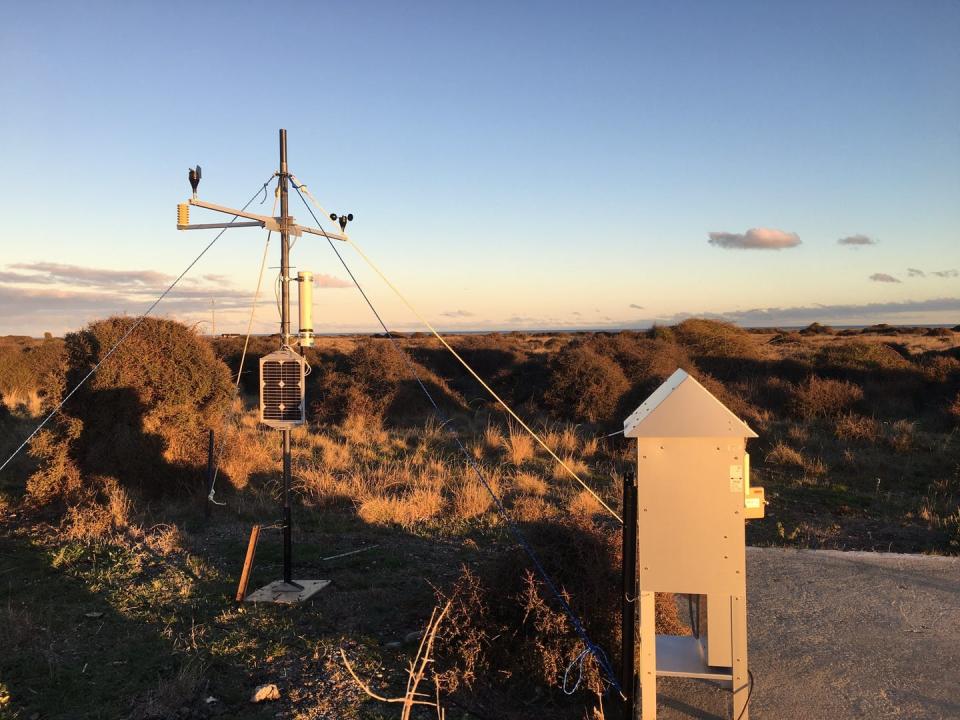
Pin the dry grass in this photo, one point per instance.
(519, 446)
(405, 510)
(783, 454)
(493, 438)
(23, 401)
(578, 466)
(528, 508)
(248, 451)
(470, 499)
(584, 505)
(851, 426)
(529, 484)
(901, 436)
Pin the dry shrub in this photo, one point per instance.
(57, 477)
(171, 694)
(375, 381)
(815, 466)
(404, 509)
(529, 484)
(862, 356)
(585, 386)
(783, 454)
(32, 374)
(519, 446)
(506, 624)
(166, 539)
(101, 515)
(141, 418)
(901, 436)
(823, 397)
(940, 368)
(462, 641)
(716, 339)
(954, 408)
(851, 426)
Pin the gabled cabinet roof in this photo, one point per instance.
(682, 407)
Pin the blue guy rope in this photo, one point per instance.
(136, 324)
(595, 650)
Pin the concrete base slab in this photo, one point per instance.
(279, 592)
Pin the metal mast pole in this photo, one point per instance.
(285, 340)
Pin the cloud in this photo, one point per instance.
(755, 239)
(883, 278)
(79, 275)
(15, 277)
(945, 273)
(457, 314)
(218, 279)
(908, 311)
(634, 306)
(856, 240)
(913, 272)
(322, 280)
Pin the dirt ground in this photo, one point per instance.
(837, 635)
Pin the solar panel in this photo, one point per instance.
(282, 394)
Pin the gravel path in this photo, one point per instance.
(837, 635)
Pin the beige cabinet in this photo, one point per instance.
(693, 496)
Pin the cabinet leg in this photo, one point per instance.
(648, 656)
(741, 678)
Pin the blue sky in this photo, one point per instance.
(509, 164)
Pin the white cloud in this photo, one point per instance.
(634, 306)
(457, 314)
(945, 273)
(322, 280)
(755, 239)
(883, 278)
(78, 275)
(913, 272)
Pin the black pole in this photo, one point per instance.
(285, 339)
(628, 600)
(210, 471)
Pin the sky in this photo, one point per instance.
(510, 165)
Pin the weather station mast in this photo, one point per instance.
(282, 373)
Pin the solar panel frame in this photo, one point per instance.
(282, 389)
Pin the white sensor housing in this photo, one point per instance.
(305, 303)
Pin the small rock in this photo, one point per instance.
(93, 615)
(265, 692)
(414, 636)
(210, 700)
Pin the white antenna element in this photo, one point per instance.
(305, 304)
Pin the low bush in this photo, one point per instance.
(585, 385)
(822, 397)
(142, 418)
